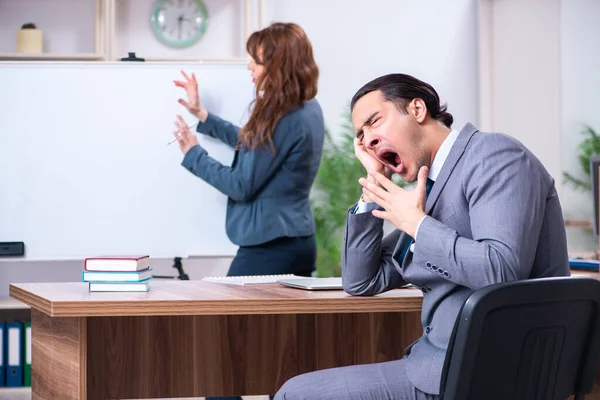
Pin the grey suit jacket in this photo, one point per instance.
(268, 190)
(493, 216)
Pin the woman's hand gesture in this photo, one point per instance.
(193, 105)
(184, 136)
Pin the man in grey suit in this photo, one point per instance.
(484, 211)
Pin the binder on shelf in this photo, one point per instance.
(14, 356)
(27, 356)
(2, 353)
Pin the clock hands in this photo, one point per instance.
(179, 22)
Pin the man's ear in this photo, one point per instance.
(418, 110)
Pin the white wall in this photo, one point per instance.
(540, 84)
(580, 100)
(525, 75)
(435, 40)
(355, 41)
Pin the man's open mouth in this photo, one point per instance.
(391, 160)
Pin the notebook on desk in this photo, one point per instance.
(312, 283)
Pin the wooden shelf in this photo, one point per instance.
(190, 59)
(15, 390)
(579, 223)
(105, 36)
(99, 57)
(12, 304)
(51, 57)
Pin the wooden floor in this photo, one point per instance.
(25, 394)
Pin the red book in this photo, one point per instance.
(117, 263)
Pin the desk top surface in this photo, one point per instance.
(73, 299)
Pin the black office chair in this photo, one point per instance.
(535, 339)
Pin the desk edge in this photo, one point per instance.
(37, 302)
(223, 307)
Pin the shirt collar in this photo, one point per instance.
(442, 155)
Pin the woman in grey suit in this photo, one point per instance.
(277, 156)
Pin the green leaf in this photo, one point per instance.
(587, 148)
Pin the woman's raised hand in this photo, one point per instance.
(193, 105)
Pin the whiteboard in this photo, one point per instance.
(84, 165)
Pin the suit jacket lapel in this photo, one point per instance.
(455, 154)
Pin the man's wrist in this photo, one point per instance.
(413, 226)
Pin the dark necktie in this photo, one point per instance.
(428, 187)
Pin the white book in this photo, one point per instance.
(248, 280)
(120, 287)
(116, 276)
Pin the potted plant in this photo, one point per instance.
(588, 147)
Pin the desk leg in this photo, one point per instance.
(58, 357)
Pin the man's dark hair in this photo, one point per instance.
(401, 89)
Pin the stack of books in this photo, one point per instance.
(117, 273)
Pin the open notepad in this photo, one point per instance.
(248, 280)
(300, 282)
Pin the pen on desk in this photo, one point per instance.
(175, 139)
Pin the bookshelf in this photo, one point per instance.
(13, 310)
(110, 29)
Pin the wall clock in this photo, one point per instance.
(179, 23)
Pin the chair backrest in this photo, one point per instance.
(536, 339)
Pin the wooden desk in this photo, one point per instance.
(195, 338)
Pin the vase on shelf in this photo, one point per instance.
(30, 40)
